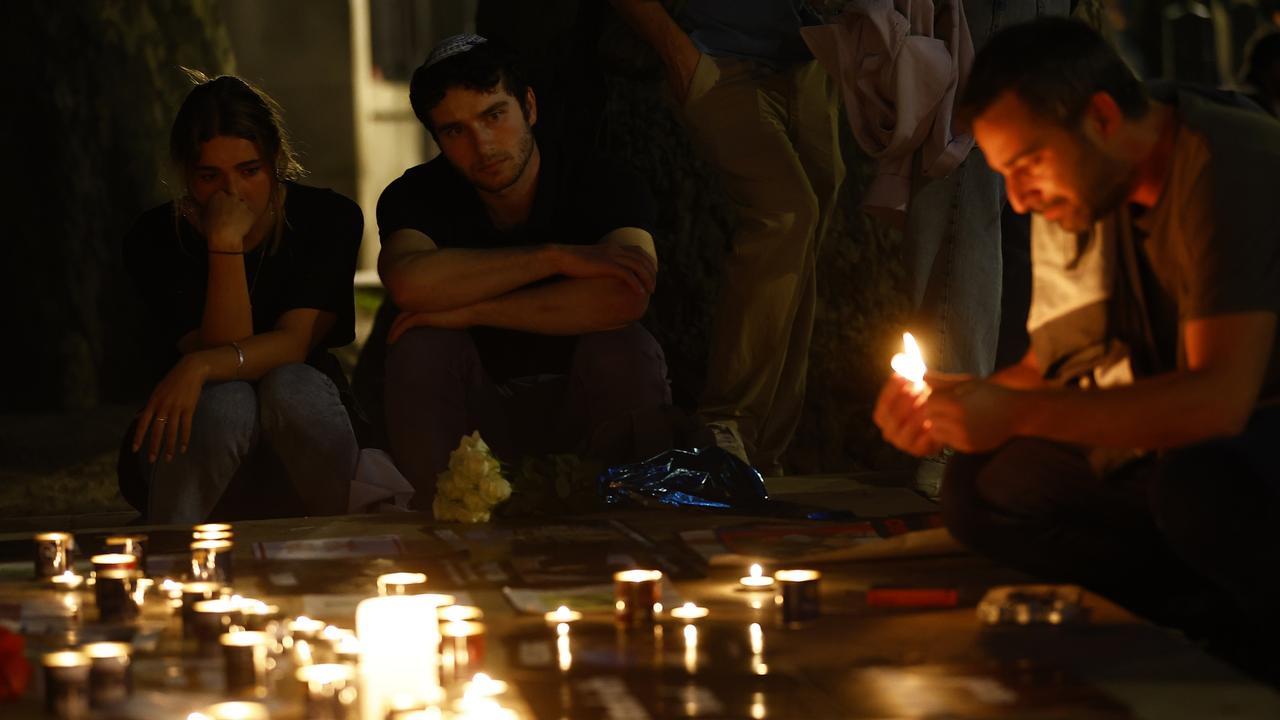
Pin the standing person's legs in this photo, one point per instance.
(614, 373)
(815, 133)
(1037, 506)
(305, 423)
(224, 433)
(954, 267)
(740, 126)
(436, 392)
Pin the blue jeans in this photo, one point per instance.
(953, 253)
(294, 412)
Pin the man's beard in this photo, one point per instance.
(1105, 185)
(524, 153)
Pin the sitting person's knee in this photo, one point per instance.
(225, 410)
(426, 349)
(295, 390)
(627, 352)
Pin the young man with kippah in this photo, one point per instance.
(1133, 449)
(521, 279)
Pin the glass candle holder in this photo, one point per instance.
(66, 684)
(192, 593)
(635, 592)
(332, 692)
(211, 620)
(110, 676)
(798, 596)
(460, 613)
(54, 553)
(461, 650)
(210, 527)
(113, 561)
(135, 545)
(258, 615)
(244, 656)
(113, 591)
(211, 561)
(402, 583)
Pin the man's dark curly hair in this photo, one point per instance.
(1054, 65)
(485, 68)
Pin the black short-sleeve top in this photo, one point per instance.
(573, 205)
(312, 267)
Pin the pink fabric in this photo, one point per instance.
(900, 65)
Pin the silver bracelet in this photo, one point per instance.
(239, 358)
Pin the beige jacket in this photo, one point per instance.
(901, 64)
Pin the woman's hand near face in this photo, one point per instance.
(227, 220)
(169, 411)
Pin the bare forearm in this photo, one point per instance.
(568, 307)
(1019, 377)
(451, 278)
(262, 354)
(227, 314)
(1160, 412)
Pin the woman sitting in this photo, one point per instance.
(248, 280)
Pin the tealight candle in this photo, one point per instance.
(113, 561)
(331, 691)
(213, 535)
(562, 614)
(798, 595)
(756, 579)
(210, 527)
(66, 684)
(192, 593)
(211, 560)
(110, 681)
(213, 618)
(461, 649)
(258, 615)
(481, 685)
(245, 660)
(113, 592)
(304, 628)
(54, 553)
(401, 583)
(635, 594)
(689, 612)
(458, 613)
(67, 580)
(135, 545)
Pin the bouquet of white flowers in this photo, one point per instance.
(472, 486)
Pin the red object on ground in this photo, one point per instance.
(15, 671)
(901, 597)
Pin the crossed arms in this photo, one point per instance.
(592, 288)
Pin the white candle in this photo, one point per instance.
(757, 580)
(67, 580)
(562, 614)
(399, 640)
(689, 611)
(910, 363)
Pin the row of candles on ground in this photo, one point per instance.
(407, 641)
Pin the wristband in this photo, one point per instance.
(239, 358)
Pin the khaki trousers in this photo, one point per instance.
(772, 135)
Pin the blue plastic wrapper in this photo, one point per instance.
(708, 478)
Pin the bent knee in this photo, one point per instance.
(296, 389)
(628, 352)
(226, 412)
(427, 349)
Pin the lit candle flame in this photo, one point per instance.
(910, 364)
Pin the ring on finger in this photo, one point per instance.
(160, 419)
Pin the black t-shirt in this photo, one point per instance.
(572, 206)
(312, 267)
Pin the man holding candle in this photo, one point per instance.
(1130, 449)
(520, 277)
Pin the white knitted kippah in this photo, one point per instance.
(451, 46)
